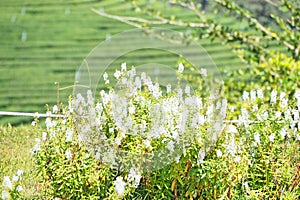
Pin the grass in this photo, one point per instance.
(15, 145)
(56, 44)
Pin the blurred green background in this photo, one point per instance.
(45, 41)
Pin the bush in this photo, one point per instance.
(255, 157)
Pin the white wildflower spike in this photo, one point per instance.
(69, 135)
(282, 95)
(68, 154)
(169, 89)
(20, 172)
(7, 183)
(187, 90)
(201, 156)
(147, 143)
(123, 67)
(203, 72)
(219, 153)
(232, 129)
(180, 68)
(5, 195)
(15, 179)
(273, 96)
(283, 133)
(105, 77)
(44, 136)
(260, 94)
(254, 108)
(271, 137)
(252, 95)
(117, 74)
(297, 94)
(237, 159)
(170, 146)
(245, 96)
(120, 185)
(19, 188)
(55, 109)
(257, 138)
(134, 176)
(231, 147)
(284, 103)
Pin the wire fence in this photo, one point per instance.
(45, 115)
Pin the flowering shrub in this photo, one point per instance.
(144, 141)
(12, 187)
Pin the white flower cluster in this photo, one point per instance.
(136, 107)
(11, 184)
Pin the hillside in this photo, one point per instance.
(43, 42)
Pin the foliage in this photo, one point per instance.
(279, 72)
(255, 158)
(252, 45)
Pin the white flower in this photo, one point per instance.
(232, 129)
(105, 77)
(170, 146)
(155, 91)
(19, 188)
(201, 156)
(203, 72)
(254, 108)
(147, 143)
(260, 94)
(123, 66)
(257, 138)
(169, 88)
(131, 109)
(231, 148)
(111, 130)
(246, 185)
(7, 183)
(252, 95)
(237, 159)
(284, 103)
(120, 185)
(33, 123)
(138, 82)
(15, 179)
(118, 141)
(187, 90)
(273, 96)
(271, 137)
(180, 68)
(134, 176)
(55, 109)
(69, 135)
(297, 94)
(245, 96)
(36, 147)
(277, 114)
(265, 115)
(282, 95)
(68, 154)
(283, 133)
(296, 115)
(177, 158)
(5, 195)
(44, 136)
(219, 153)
